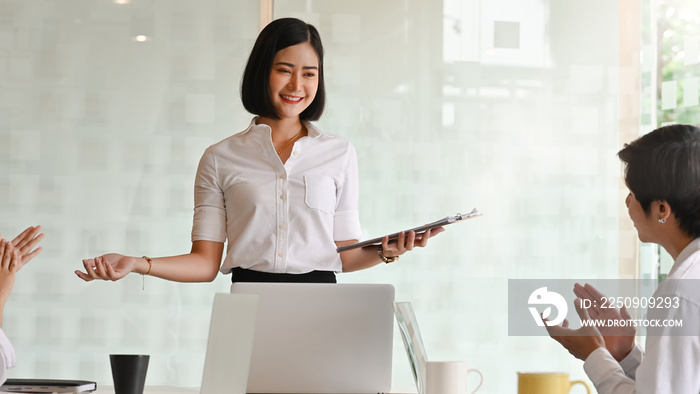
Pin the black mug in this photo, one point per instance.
(129, 372)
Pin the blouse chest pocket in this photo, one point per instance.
(320, 192)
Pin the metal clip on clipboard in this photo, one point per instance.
(418, 230)
(474, 213)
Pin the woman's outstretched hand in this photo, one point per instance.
(111, 266)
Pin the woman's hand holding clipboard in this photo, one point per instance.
(418, 230)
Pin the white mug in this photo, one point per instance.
(449, 377)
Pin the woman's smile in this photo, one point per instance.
(291, 99)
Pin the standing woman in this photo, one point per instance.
(283, 193)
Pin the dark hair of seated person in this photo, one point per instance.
(664, 165)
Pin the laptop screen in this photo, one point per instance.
(321, 338)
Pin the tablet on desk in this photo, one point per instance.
(47, 386)
(418, 230)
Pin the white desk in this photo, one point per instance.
(177, 390)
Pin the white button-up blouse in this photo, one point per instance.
(279, 218)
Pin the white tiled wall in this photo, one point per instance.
(509, 106)
(100, 136)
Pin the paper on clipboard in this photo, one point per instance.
(418, 230)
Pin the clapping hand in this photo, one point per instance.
(581, 342)
(13, 256)
(26, 241)
(10, 263)
(619, 339)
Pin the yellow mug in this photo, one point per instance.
(547, 383)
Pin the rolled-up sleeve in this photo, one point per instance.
(346, 221)
(7, 356)
(209, 223)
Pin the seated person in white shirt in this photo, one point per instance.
(13, 255)
(662, 172)
(282, 193)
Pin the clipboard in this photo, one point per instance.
(418, 230)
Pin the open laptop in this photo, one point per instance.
(413, 342)
(321, 338)
(230, 344)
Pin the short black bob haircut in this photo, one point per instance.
(664, 165)
(255, 85)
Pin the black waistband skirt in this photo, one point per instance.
(245, 275)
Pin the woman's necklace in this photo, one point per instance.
(279, 151)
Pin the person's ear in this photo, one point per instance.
(663, 211)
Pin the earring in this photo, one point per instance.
(662, 220)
